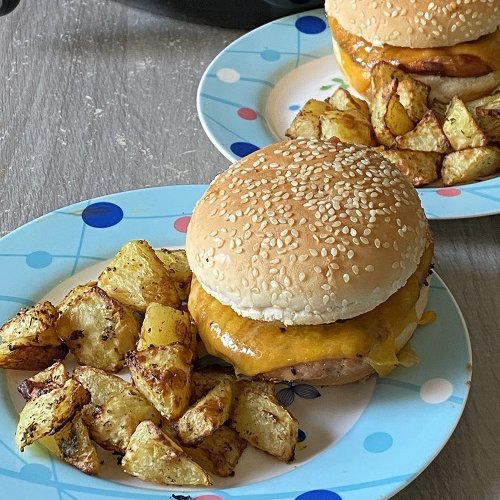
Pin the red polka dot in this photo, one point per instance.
(181, 224)
(448, 191)
(247, 114)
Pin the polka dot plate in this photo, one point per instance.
(362, 441)
(251, 91)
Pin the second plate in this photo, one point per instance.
(251, 91)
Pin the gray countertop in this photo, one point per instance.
(97, 98)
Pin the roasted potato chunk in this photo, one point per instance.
(219, 452)
(421, 167)
(164, 325)
(36, 324)
(205, 380)
(467, 165)
(30, 340)
(265, 424)
(428, 135)
(50, 412)
(306, 123)
(136, 277)
(163, 375)
(383, 73)
(100, 384)
(52, 377)
(17, 355)
(413, 96)
(112, 424)
(98, 329)
(389, 117)
(206, 415)
(488, 117)
(350, 126)
(343, 100)
(460, 127)
(152, 456)
(73, 445)
(175, 261)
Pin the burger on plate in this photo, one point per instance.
(310, 262)
(452, 45)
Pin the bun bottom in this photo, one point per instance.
(344, 370)
(444, 88)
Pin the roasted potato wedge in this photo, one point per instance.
(98, 329)
(112, 424)
(30, 340)
(136, 277)
(100, 384)
(467, 165)
(427, 135)
(350, 126)
(343, 100)
(219, 452)
(164, 325)
(50, 412)
(206, 415)
(73, 445)
(152, 456)
(265, 424)
(52, 377)
(175, 261)
(163, 375)
(488, 117)
(388, 116)
(19, 355)
(413, 95)
(421, 167)
(460, 127)
(383, 73)
(206, 379)
(306, 123)
(36, 324)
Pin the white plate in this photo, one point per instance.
(359, 441)
(251, 91)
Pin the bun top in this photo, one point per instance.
(306, 232)
(416, 24)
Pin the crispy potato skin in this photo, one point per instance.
(264, 423)
(98, 329)
(152, 456)
(137, 277)
(163, 375)
(50, 412)
(30, 340)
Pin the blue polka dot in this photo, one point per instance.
(319, 495)
(293, 107)
(39, 260)
(270, 55)
(102, 214)
(36, 473)
(242, 149)
(302, 436)
(378, 442)
(310, 25)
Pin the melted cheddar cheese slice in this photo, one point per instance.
(255, 347)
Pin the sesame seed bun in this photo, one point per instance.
(407, 23)
(306, 233)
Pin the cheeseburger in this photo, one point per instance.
(310, 262)
(452, 45)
